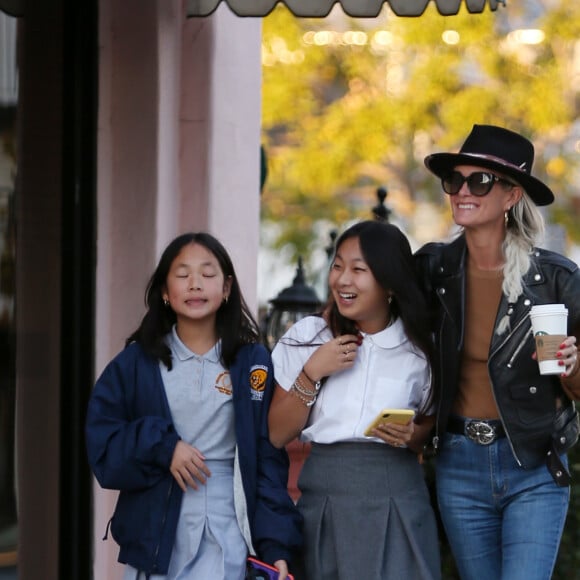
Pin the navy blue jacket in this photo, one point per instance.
(130, 442)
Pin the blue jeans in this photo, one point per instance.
(502, 521)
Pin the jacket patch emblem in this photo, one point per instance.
(223, 383)
(258, 376)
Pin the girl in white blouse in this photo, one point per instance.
(366, 508)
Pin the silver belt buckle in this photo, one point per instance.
(480, 432)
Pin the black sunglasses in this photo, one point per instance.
(479, 183)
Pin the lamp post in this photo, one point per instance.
(291, 304)
(330, 248)
(381, 212)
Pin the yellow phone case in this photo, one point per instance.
(400, 416)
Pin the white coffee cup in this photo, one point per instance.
(550, 328)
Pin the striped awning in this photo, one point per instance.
(355, 8)
(312, 8)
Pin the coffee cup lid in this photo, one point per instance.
(548, 309)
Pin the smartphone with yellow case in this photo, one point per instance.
(400, 416)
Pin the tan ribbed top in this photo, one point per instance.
(475, 398)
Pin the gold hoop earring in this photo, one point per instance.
(506, 218)
(226, 298)
(165, 302)
(389, 299)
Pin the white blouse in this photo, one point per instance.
(389, 372)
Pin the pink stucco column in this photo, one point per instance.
(178, 150)
(220, 135)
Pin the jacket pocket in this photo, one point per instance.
(534, 404)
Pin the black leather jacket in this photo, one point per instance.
(526, 400)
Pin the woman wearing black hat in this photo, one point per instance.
(502, 429)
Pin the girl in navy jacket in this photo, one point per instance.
(177, 422)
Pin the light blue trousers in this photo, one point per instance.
(503, 522)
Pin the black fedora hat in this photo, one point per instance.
(497, 148)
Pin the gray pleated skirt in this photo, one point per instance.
(367, 515)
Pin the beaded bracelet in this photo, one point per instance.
(308, 402)
(302, 390)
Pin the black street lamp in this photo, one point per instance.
(291, 304)
(330, 248)
(381, 212)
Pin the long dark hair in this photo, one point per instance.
(388, 254)
(235, 325)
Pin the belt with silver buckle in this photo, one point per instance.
(480, 431)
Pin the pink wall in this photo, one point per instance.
(220, 135)
(179, 138)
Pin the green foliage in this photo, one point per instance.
(340, 120)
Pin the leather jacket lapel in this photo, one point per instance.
(521, 309)
(450, 287)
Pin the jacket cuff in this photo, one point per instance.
(165, 449)
(271, 552)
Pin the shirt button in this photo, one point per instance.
(537, 277)
(441, 291)
(441, 269)
(562, 440)
(527, 302)
(533, 390)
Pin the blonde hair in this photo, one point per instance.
(525, 228)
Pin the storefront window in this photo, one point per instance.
(8, 165)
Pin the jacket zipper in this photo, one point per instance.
(519, 347)
(516, 352)
(435, 439)
(158, 547)
(446, 314)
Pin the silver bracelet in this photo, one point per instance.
(302, 389)
(308, 402)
